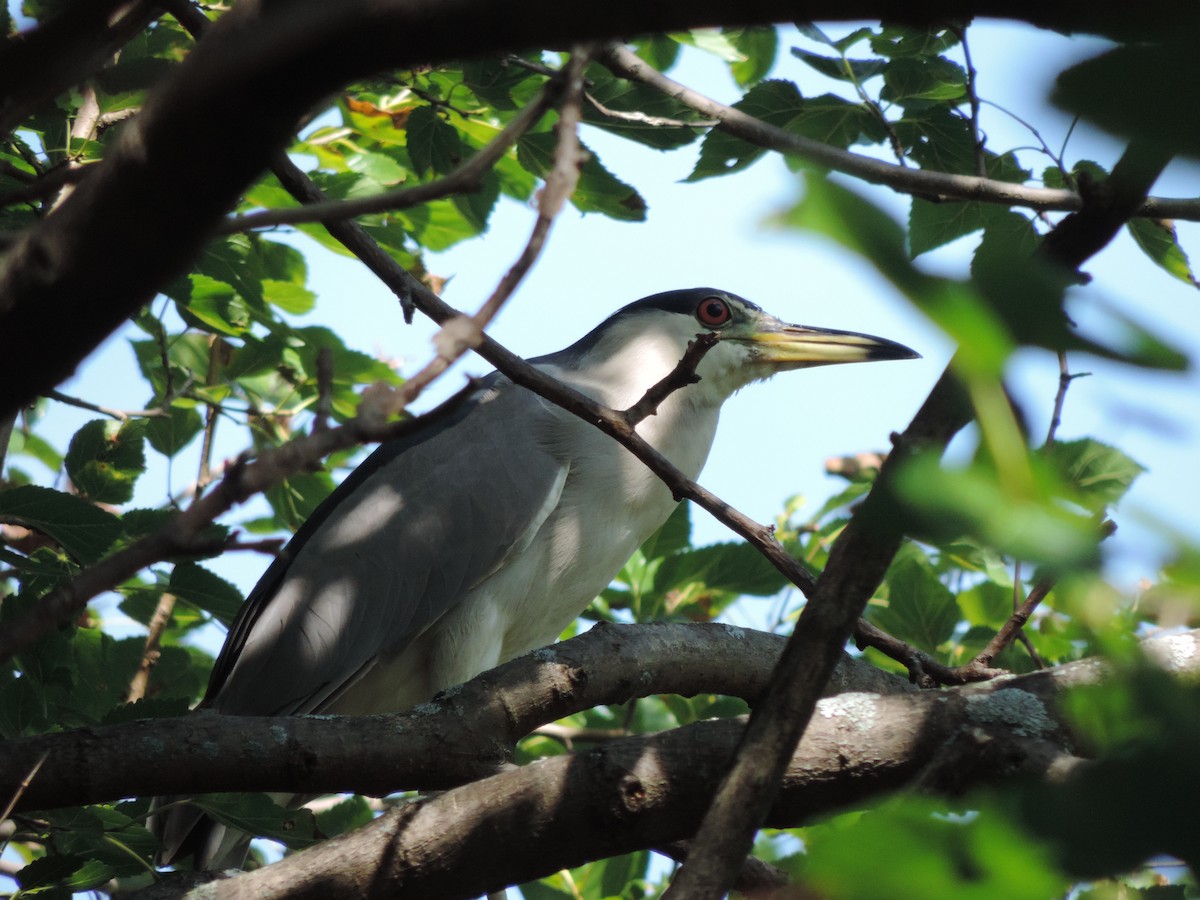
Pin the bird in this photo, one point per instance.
(484, 534)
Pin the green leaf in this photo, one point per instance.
(640, 103)
(211, 304)
(105, 458)
(759, 47)
(916, 850)
(840, 68)
(598, 189)
(1098, 474)
(383, 169)
(931, 225)
(259, 815)
(351, 813)
(987, 603)
(776, 102)
(674, 535)
(477, 206)
(504, 85)
(1158, 240)
(23, 707)
(204, 589)
(84, 531)
(289, 296)
(827, 118)
(102, 668)
(915, 82)
(1124, 91)
(734, 567)
(437, 226)
(33, 445)
(171, 433)
(433, 143)
(919, 608)
(72, 872)
(947, 503)
(858, 224)
(900, 41)
(296, 498)
(711, 41)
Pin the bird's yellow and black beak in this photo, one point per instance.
(781, 345)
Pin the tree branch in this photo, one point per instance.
(484, 719)
(466, 178)
(921, 182)
(643, 792)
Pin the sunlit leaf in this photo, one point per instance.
(105, 459)
(1159, 241)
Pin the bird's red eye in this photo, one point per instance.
(713, 312)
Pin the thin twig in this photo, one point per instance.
(23, 787)
(324, 408)
(643, 119)
(463, 333)
(973, 101)
(922, 182)
(681, 376)
(150, 653)
(1065, 377)
(466, 178)
(121, 415)
(204, 477)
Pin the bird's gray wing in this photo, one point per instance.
(423, 519)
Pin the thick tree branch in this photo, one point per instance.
(647, 791)
(68, 47)
(380, 754)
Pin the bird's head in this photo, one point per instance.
(648, 337)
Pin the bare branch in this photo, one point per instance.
(973, 101)
(324, 409)
(681, 376)
(158, 624)
(461, 333)
(120, 415)
(64, 50)
(643, 119)
(1065, 377)
(487, 716)
(920, 182)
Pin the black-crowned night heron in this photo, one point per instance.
(485, 534)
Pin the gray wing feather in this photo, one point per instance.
(394, 548)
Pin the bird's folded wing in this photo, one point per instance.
(391, 550)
